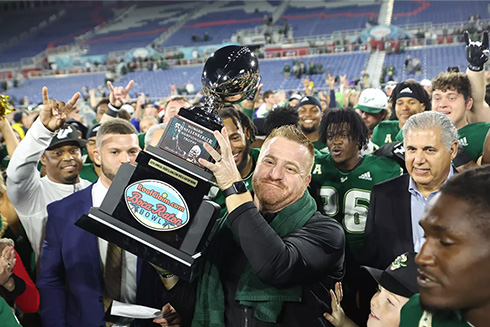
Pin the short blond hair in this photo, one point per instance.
(292, 133)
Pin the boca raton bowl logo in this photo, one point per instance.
(157, 205)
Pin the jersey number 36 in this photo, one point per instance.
(354, 208)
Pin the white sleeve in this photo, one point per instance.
(23, 178)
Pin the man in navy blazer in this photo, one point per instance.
(396, 206)
(71, 276)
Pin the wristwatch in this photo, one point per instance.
(236, 188)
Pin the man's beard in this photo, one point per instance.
(245, 156)
(444, 314)
(72, 179)
(308, 130)
(107, 172)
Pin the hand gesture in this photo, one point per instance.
(306, 81)
(343, 80)
(224, 167)
(170, 317)
(476, 52)
(118, 94)
(249, 104)
(53, 114)
(331, 81)
(7, 264)
(338, 317)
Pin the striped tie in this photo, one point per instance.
(112, 276)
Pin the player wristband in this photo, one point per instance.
(112, 111)
(475, 68)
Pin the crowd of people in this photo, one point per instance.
(351, 209)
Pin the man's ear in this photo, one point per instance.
(97, 156)
(43, 160)
(469, 104)
(247, 133)
(454, 150)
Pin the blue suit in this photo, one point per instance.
(70, 280)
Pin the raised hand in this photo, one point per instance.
(331, 81)
(249, 104)
(338, 317)
(224, 168)
(7, 264)
(118, 94)
(53, 114)
(343, 80)
(476, 52)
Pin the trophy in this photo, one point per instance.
(157, 209)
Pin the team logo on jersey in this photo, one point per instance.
(366, 176)
(157, 205)
(425, 320)
(343, 179)
(317, 169)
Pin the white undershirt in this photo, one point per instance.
(129, 263)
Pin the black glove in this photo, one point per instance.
(476, 52)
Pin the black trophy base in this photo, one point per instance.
(150, 248)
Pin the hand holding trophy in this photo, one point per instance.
(156, 210)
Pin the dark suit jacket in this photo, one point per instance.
(70, 280)
(389, 224)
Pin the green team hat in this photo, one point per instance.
(372, 101)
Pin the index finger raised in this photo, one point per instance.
(111, 88)
(45, 96)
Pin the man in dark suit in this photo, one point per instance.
(74, 263)
(430, 140)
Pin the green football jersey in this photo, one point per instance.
(345, 195)
(412, 315)
(385, 132)
(471, 139)
(320, 146)
(220, 199)
(88, 173)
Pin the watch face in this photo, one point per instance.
(240, 187)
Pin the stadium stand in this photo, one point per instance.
(434, 60)
(437, 12)
(62, 87)
(218, 25)
(319, 20)
(138, 28)
(80, 18)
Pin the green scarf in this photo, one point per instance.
(266, 300)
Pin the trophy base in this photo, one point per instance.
(151, 249)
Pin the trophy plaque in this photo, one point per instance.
(157, 209)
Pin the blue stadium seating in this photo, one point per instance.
(80, 17)
(157, 84)
(146, 23)
(22, 20)
(219, 26)
(434, 60)
(60, 88)
(325, 21)
(437, 12)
